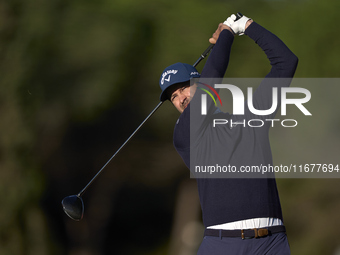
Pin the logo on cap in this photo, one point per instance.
(166, 73)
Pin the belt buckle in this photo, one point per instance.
(260, 232)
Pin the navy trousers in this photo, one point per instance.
(275, 244)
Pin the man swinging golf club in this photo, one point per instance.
(241, 215)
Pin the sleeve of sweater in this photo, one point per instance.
(282, 59)
(212, 73)
(218, 60)
(215, 67)
(283, 65)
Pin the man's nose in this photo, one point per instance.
(182, 97)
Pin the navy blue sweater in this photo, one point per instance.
(227, 200)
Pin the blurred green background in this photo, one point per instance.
(77, 78)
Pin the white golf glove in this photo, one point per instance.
(238, 26)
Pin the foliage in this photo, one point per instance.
(77, 77)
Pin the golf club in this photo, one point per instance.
(73, 205)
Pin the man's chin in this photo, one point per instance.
(185, 106)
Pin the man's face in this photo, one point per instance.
(180, 95)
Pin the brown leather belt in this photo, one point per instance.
(245, 233)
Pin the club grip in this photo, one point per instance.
(238, 16)
(205, 53)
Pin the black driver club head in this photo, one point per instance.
(73, 206)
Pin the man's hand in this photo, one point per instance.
(238, 26)
(218, 31)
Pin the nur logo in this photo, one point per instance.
(204, 97)
(239, 103)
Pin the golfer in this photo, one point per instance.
(240, 215)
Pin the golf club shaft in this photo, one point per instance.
(153, 111)
(203, 55)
